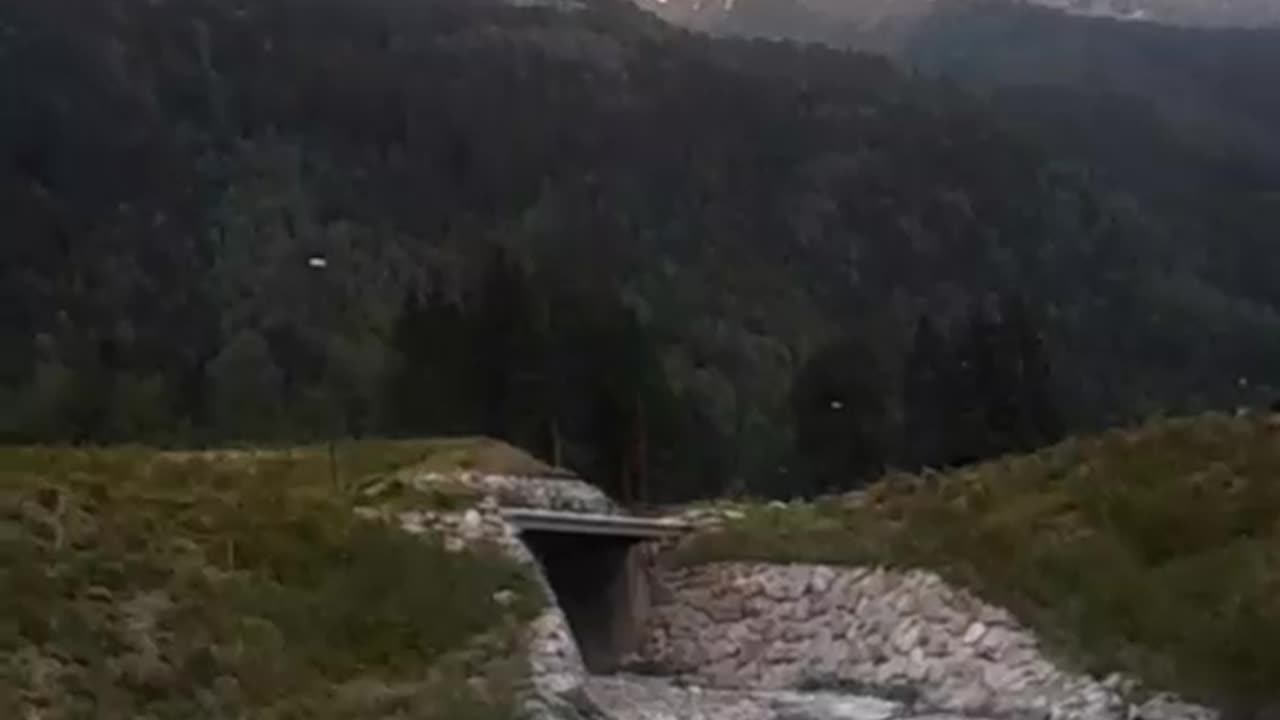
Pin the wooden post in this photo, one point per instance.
(333, 463)
(642, 453)
(556, 457)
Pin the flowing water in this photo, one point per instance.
(632, 697)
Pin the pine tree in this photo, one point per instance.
(925, 399)
(972, 381)
(999, 388)
(405, 387)
(841, 417)
(431, 389)
(510, 351)
(245, 389)
(1040, 421)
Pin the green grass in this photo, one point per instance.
(137, 584)
(1154, 551)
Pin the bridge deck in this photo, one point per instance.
(587, 524)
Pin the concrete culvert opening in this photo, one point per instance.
(598, 568)
(601, 588)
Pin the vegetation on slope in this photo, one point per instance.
(1179, 120)
(1154, 550)
(241, 584)
(738, 207)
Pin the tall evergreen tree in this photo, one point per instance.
(431, 388)
(1002, 384)
(1040, 420)
(842, 421)
(510, 347)
(983, 389)
(997, 383)
(925, 398)
(245, 387)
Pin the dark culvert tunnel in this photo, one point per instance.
(600, 584)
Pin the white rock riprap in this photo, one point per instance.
(482, 522)
(565, 494)
(901, 634)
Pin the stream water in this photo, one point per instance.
(633, 697)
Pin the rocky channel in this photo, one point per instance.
(744, 641)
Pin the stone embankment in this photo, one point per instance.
(903, 635)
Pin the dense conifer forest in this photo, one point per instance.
(679, 265)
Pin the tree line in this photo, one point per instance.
(568, 372)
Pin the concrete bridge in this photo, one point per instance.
(599, 568)
(610, 526)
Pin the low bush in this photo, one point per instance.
(240, 584)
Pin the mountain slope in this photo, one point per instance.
(748, 202)
(1209, 91)
(768, 17)
(1178, 119)
(1211, 83)
(1204, 13)
(1181, 118)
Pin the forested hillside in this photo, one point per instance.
(1203, 13)
(676, 264)
(1213, 83)
(1183, 120)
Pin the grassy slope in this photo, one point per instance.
(1154, 550)
(240, 584)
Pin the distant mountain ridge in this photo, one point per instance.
(893, 15)
(1215, 84)
(1205, 13)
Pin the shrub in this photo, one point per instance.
(236, 584)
